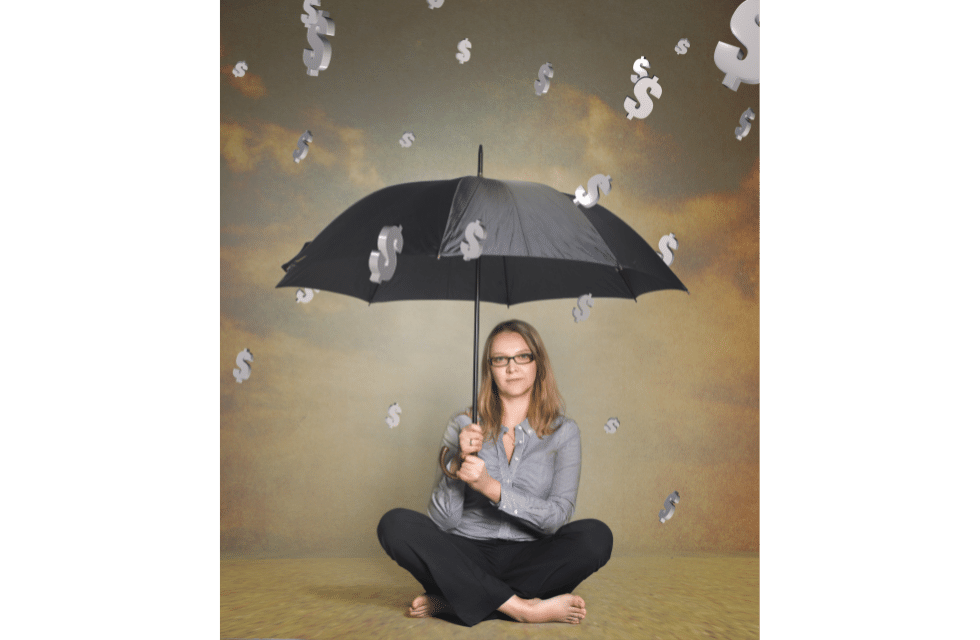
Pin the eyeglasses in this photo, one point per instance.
(503, 361)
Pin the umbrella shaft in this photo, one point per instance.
(476, 342)
(476, 371)
(476, 312)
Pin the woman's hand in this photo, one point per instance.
(473, 471)
(470, 440)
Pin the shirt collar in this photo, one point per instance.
(524, 426)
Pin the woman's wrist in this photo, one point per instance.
(489, 487)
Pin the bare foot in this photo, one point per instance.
(425, 606)
(564, 608)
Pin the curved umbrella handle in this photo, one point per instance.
(442, 463)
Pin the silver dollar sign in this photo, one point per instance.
(305, 295)
(245, 371)
(638, 66)
(667, 243)
(611, 425)
(407, 139)
(464, 50)
(643, 108)
(393, 418)
(668, 509)
(581, 312)
(318, 25)
(470, 248)
(682, 46)
(302, 149)
(741, 68)
(741, 132)
(435, 4)
(240, 69)
(595, 182)
(542, 83)
(390, 243)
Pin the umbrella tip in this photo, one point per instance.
(479, 165)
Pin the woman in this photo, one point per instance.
(497, 542)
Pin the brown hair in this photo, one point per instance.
(546, 405)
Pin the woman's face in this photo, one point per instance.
(513, 380)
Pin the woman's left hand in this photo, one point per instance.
(473, 470)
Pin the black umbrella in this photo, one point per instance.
(404, 242)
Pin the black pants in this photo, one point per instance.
(477, 576)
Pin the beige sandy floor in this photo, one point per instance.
(658, 597)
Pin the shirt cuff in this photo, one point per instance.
(508, 503)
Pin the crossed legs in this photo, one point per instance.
(475, 580)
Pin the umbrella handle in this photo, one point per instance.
(442, 463)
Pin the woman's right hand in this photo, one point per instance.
(471, 434)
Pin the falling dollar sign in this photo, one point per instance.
(682, 46)
(581, 312)
(464, 50)
(318, 26)
(305, 295)
(302, 149)
(542, 83)
(390, 243)
(638, 66)
(668, 509)
(470, 248)
(642, 108)
(393, 418)
(435, 4)
(611, 425)
(595, 182)
(240, 69)
(667, 243)
(244, 371)
(741, 132)
(407, 139)
(741, 68)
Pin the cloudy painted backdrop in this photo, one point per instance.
(308, 463)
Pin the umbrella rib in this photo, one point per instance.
(455, 212)
(626, 282)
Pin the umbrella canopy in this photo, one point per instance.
(404, 242)
(539, 245)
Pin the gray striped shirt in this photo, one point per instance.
(538, 487)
